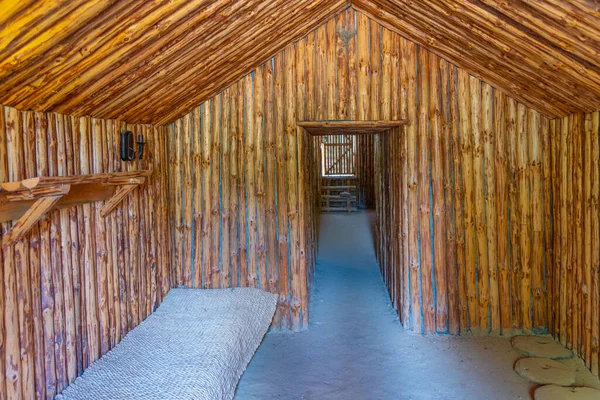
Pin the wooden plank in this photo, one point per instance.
(467, 151)
(428, 306)
(363, 127)
(114, 201)
(491, 214)
(502, 211)
(441, 266)
(282, 221)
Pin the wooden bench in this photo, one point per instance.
(338, 198)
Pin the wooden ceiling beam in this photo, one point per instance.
(325, 128)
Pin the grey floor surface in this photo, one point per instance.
(355, 347)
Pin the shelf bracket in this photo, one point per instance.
(119, 195)
(41, 206)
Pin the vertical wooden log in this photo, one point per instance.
(88, 252)
(564, 180)
(242, 186)
(441, 265)
(105, 221)
(292, 188)
(259, 171)
(17, 170)
(576, 232)
(449, 217)
(29, 136)
(301, 164)
(341, 50)
(524, 215)
(56, 262)
(427, 293)
(234, 171)
(409, 52)
(586, 298)
(67, 270)
(77, 235)
(490, 149)
(197, 160)
(133, 226)
(555, 129)
(595, 227)
(483, 274)
(6, 298)
(364, 67)
(117, 327)
(207, 188)
(537, 227)
(457, 157)
(226, 191)
(178, 203)
(331, 68)
(215, 202)
(12, 355)
(502, 193)
(282, 220)
(321, 73)
(466, 143)
(251, 180)
(404, 100)
(515, 226)
(271, 205)
(548, 228)
(352, 67)
(187, 200)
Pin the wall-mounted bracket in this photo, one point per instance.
(30, 199)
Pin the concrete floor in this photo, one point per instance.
(355, 347)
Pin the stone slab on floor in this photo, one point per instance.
(553, 392)
(540, 346)
(545, 371)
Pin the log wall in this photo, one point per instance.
(574, 295)
(77, 283)
(462, 200)
(238, 187)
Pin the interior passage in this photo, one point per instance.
(355, 347)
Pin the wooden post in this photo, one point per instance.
(186, 266)
(282, 221)
(502, 196)
(466, 144)
(215, 202)
(440, 245)
(197, 160)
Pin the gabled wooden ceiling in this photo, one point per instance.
(146, 61)
(545, 53)
(151, 61)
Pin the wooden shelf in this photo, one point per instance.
(30, 199)
(323, 128)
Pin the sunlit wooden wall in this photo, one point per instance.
(574, 293)
(240, 209)
(75, 285)
(464, 206)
